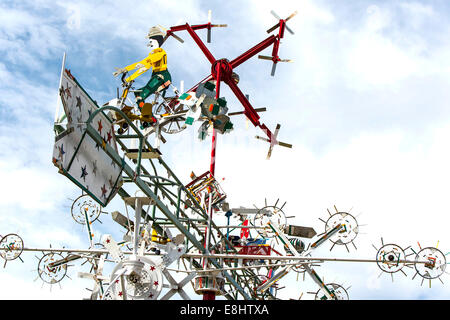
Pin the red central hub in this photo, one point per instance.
(222, 69)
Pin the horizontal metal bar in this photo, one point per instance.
(226, 256)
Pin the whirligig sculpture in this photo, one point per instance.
(176, 227)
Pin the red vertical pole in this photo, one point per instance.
(212, 167)
(211, 295)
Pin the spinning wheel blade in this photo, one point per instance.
(291, 16)
(164, 40)
(288, 29)
(275, 15)
(262, 138)
(264, 57)
(277, 129)
(274, 66)
(177, 37)
(273, 28)
(269, 154)
(283, 144)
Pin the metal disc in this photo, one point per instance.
(339, 292)
(266, 214)
(13, 245)
(436, 265)
(350, 230)
(85, 203)
(176, 123)
(388, 257)
(48, 274)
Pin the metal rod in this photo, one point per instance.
(60, 82)
(237, 227)
(243, 268)
(88, 226)
(137, 222)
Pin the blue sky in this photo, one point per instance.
(365, 104)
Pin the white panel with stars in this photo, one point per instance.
(89, 166)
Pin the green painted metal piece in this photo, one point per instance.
(210, 86)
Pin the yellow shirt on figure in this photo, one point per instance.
(157, 59)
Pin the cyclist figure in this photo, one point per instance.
(157, 60)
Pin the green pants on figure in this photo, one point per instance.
(157, 79)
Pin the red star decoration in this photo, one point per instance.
(117, 281)
(109, 136)
(111, 183)
(67, 91)
(120, 293)
(107, 241)
(100, 127)
(155, 283)
(69, 74)
(152, 268)
(151, 295)
(103, 190)
(69, 116)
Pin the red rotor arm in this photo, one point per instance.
(191, 30)
(221, 69)
(250, 112)
(253, 51)
(276, 45)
